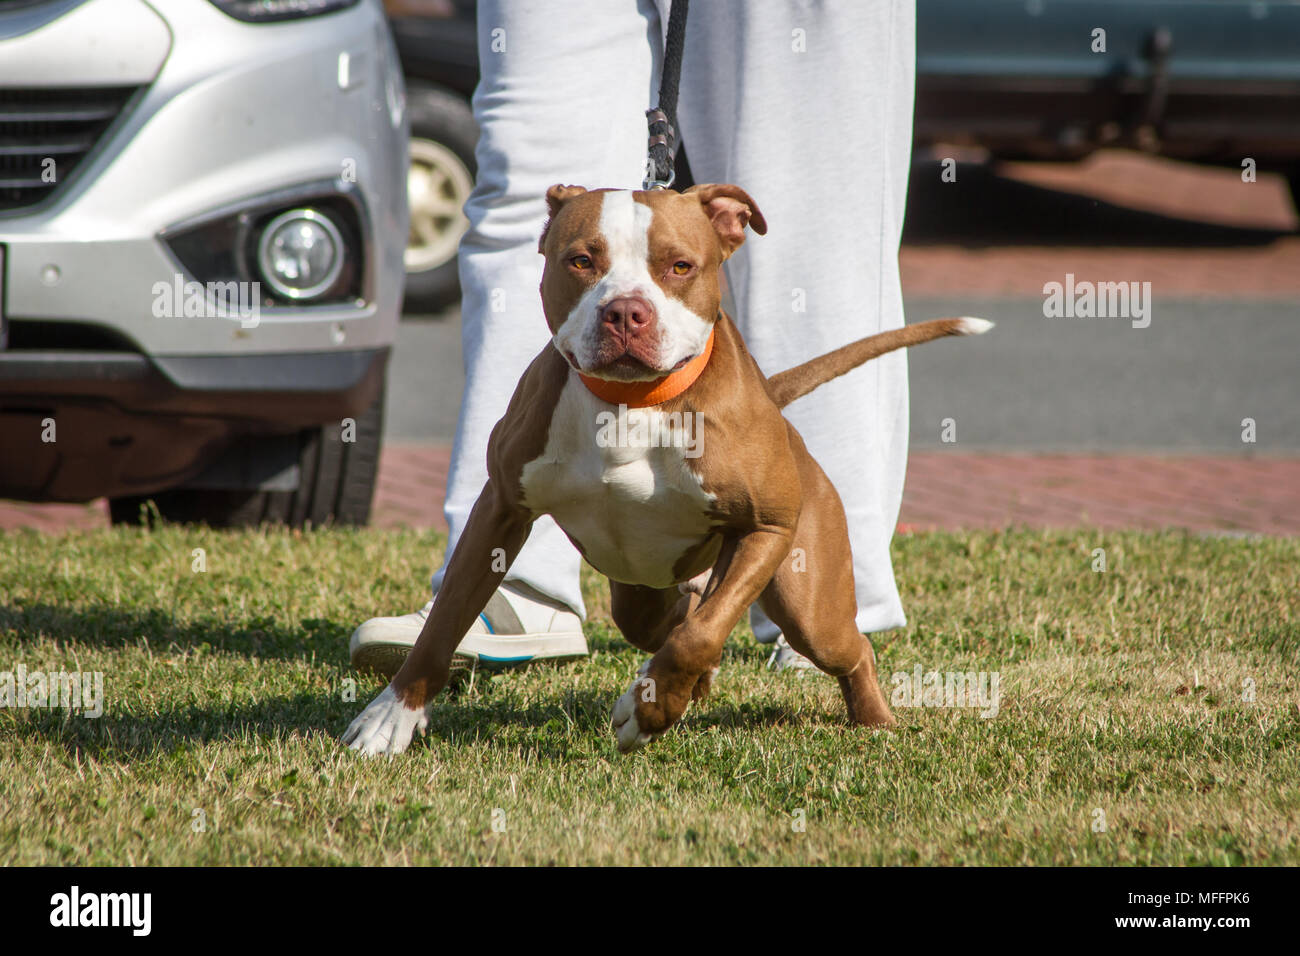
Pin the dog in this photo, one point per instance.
(690, 531)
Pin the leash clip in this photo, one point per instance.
(651, 183)
(663, 141)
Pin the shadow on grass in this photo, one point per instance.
(558, 729)
(109, 627)
(553, 729)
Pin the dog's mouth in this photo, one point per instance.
(625, 366)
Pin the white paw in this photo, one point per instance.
(386, 726)
(626, 730)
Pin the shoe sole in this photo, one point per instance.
(387, 659)
(521, 648)
(382, 659)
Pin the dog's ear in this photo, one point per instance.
(556, 197)
(730, 209)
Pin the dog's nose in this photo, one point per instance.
(628, 314)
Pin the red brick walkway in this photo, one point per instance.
(944, 490)
(1203, 494)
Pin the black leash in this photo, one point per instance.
(662, 119)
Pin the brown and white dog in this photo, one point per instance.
(689, 529)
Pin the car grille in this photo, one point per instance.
(38, 125)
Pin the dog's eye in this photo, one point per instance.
(681, 267)
(580, 263)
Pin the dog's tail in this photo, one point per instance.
(785, 387)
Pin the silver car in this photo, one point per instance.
(202, 222)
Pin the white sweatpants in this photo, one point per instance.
(806, 106)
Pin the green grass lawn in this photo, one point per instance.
(1125, 733)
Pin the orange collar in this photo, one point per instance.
(655, 392)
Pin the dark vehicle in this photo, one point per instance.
(1210, 81)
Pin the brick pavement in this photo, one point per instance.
(1211, 494)
(1188, 230)
(944, 490)
(1250, 272)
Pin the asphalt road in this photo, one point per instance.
(1037, 384)
(425, 378)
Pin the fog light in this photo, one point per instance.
(300, 253)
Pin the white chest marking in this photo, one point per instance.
(632, 502)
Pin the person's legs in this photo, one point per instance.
(561, 99)
(810, 111)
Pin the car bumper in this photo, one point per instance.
(76, 425)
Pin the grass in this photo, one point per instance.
(1121, 702)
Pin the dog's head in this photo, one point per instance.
(630, 286)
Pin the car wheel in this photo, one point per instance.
(439, 180)
(336, 485)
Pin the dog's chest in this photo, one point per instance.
(617, 480)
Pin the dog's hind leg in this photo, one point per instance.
(811, 599)
(646, 616)
(745, 563)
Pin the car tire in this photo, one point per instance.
(336, 486)
(439, 181)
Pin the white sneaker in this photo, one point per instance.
(785, 657)
(518, 625)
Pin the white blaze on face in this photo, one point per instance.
(625, 226)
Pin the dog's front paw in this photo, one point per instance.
(648, 708)
(386, 726)
(626, 728)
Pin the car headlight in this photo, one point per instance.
(304, 245)
(268, 11)
(300, 253)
